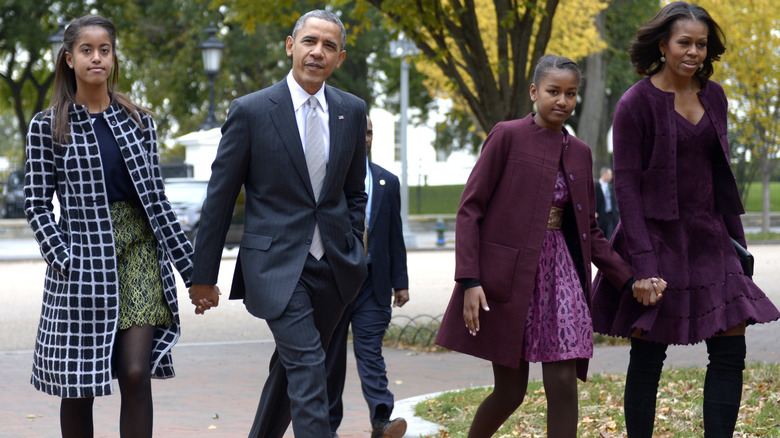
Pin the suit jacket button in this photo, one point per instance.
(579, 207)
(308, 241)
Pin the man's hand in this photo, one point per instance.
(204, 297)
(400, 297)
(649, 291)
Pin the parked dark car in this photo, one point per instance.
(13, 195)
(187, 195)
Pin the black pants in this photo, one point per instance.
(722, 386)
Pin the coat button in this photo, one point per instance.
(584, 236)
(579, 207)
(571, 176)
(308, 241)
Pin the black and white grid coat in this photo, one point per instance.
(79, 316)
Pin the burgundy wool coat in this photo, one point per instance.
(500, 226)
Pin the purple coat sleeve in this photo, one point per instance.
(473, 204)
(627, 135)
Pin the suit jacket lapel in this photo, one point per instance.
(283, 116)
(377, 193)
(336, 126)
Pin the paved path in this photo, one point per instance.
(221, 359)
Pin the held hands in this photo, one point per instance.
(649, 291)
(473, 299)
(204, 297)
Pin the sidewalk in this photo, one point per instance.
(217, 388)
(221, 359)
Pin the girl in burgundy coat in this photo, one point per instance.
(679, 208)
(526, 235)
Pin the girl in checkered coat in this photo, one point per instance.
(109, 302)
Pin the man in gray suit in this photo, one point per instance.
(298, 147)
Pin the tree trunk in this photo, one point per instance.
(592, 128)
(766, 176)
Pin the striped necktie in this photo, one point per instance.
(315, 161)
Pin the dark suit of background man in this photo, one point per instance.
(370, 312)
(606, 204)
(301, 295)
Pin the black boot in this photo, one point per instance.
(644, 372)
(723, 385)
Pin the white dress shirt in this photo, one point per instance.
(299, 99)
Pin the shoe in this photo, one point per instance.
(389, 428)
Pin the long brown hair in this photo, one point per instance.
(643, 49)
(64, 93)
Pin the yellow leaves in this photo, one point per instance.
(750, 70)
(574, 35)
(610, 425)
(605, 426)
(678, 415)
(574, 32)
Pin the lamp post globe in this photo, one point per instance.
(211, 50)
(56, 41)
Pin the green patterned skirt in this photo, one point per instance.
(141, 299)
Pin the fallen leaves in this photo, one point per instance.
(678, 412)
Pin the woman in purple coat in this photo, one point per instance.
(679, 209)
(526, 235)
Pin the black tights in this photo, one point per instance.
(722, 386)
(132, 352)
(560, 386)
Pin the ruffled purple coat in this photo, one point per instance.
(679, 206)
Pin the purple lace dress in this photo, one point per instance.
(707, 292)
(559, 325)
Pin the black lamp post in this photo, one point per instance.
(55, 41)
(212, 57)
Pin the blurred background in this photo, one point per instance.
(436, 75)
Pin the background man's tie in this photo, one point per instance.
(315, 160)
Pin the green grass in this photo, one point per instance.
(753, 201)
(679, 412)
(445, 199)
(756, 237)
(434, 199)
